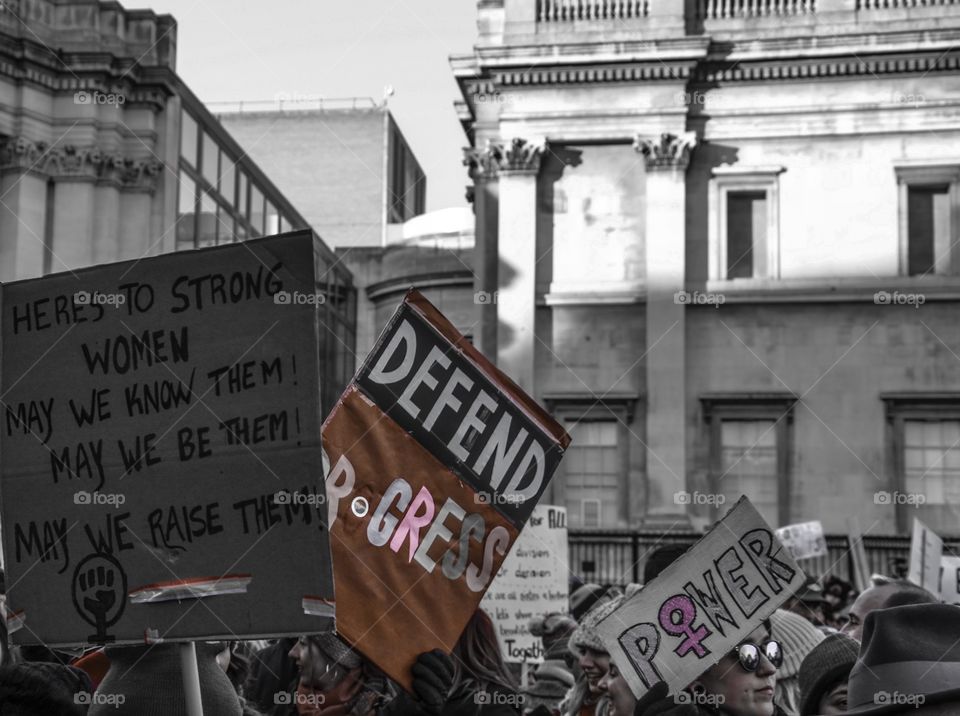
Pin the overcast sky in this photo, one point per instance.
(230, 51)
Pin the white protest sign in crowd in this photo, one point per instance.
(805, 540)
(533, 580)
(703, 604)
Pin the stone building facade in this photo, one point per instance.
(107, 155)
(723, 240)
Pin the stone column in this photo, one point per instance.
(517, 254)
(667, 158)
(484, 166)
(23, 209)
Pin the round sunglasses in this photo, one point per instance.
(749, 654)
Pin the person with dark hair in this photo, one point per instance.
(896, 593)
(42, 689)
(660, 559)
(585, 598)
(272, 669)
(482, 684)
(335, 680)
(823, 676)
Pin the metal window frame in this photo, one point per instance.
(718, 407)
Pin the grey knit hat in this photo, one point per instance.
(585, 636)
(797, 636)
(147, 681)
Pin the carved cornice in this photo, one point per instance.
(708, 70)
(669, 151)
(69, 162)
(519, 155)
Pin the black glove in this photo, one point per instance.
(432, 680)
(656, 703)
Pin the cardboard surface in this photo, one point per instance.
(154, 408)
(533, 580)
(950, 579)
(926, 549)
(437, 462)
(804, 539)
(703, 604)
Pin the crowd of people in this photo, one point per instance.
(892, 649)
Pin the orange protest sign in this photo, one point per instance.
(437, 459)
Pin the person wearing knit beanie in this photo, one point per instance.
(585, 643)
(585, 598)
(798, 638)
(148, 681)
(823, 676)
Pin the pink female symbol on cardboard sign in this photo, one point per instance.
(677, 615)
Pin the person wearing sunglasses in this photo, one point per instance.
(742, 683)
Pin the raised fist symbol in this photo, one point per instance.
(99, 593)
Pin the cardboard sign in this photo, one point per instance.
(926, 549)
(858, 553)
(438, 460)
(702, 605)
(950, 579)
(804, 539)
(153, 410)
(533, 580)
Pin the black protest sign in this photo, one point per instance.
(460, 414)
(153, 410)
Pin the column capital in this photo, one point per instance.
(483, 163)
(517, 156)
(522, 156)
(669, 151)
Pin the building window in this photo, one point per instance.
(749, 437)
(592, 479)
(744, 223)
(593, 474)
(923, 433)
(929, 201)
